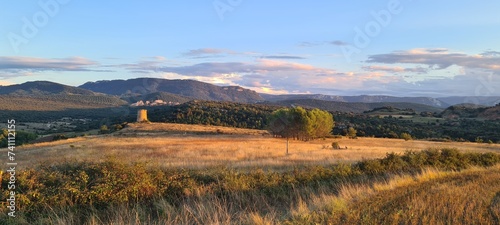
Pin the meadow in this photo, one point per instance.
(197, 146)
(190, 174)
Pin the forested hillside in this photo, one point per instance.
(472, 111)
(57, 102)
(42, 88)
(360, 98)
(355, 107)
(39, 96)
(441, 130)
(215, 113)
(187, 88)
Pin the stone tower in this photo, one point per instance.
(142, 115)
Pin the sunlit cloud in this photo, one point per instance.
(15, 66)
(395, 69)
(279, 77)
(42, 64)
(206, 52)
(282, 57)
(5, 83)
(440, 59)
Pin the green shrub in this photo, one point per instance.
(393, 163)
(371, 167)
(406, 136)
(414, 159)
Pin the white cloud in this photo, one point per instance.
(440, 59)
(32, 63)
(395, 69)
(11, 67)
(271, 75)
(207, 52)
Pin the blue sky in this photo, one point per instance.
(391, 47)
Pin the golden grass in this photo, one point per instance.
(453, 198)
(432, 197)
(197, 146)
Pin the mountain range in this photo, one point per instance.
(43, 88)
(186, 88)
(110, 93)
(50, 96)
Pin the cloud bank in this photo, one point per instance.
(25, 66)
(440, 59)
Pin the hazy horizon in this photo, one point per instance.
(395, 47)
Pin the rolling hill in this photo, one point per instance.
(187, 88)
(39, 88)
(355, 107)
(472, 111)
(362, 99)
(50, 96)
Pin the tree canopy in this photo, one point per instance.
(300, 124)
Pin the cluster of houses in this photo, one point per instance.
(153, 103)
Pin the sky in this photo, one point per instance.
(383, 47)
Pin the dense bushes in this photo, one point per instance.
(21, 137)
(448, 159)
(99, 186)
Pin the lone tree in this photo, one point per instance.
(351, 132)
(299, 124)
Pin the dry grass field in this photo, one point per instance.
(179, 180)
(197, 146)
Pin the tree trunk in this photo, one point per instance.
(287, 145)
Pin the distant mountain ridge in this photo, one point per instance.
(43, 88)
(435, 102)
(187, 88)
(120, 92)
(50, 96)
